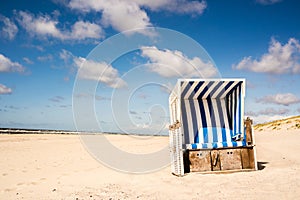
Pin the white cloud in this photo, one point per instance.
(27, 60)
(272, 111)
(88, 5)
(82, 30)
(154, 5)
(280, 99)
(267, 115)
(65, 55)
(124, 16)
(32, 46)
(45, 57)
(5, 90)
(98, 71)
(9, 29)
(129, 14)
(92, 70)
(176, 6)
(6, 65)
(133, 112)
(250, 114)
(169, 63)
(45, 26)
(69, 61)
(280, 59)
(41, 25)
(268, 2)
(121, 15)
(57, 99)
(101, 98)
(97, 97)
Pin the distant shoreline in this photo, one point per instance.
(65, 132)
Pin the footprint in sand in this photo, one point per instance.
(9, 189)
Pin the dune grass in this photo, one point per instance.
(279, 122)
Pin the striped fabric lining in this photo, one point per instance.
(212, 113)
(214, 145)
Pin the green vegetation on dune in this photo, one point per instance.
(279, 122)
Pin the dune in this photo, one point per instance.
(54, 166)
(291, 123)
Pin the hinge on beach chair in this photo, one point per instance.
(176, 125)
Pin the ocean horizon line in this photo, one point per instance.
(67, 132)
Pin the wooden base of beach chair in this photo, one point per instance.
(233, 159)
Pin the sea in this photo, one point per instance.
(46, 131)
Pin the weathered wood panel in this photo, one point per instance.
(247, 155)
(251, 158)
(245, 158)
(230, 159)
(200, 161)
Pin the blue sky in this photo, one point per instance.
(44, 43)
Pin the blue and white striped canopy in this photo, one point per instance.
(212, 112)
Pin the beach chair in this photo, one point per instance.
(208, 132)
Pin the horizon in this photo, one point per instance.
(45, 46)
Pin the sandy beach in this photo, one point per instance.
(48, 166)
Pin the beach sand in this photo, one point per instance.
(59, 167)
